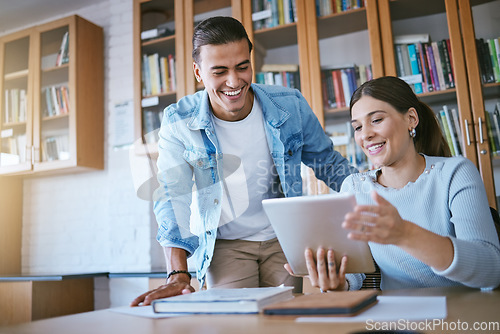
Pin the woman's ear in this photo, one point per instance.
(412, 118)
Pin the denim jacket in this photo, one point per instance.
(188, 202)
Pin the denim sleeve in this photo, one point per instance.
(318, 153)
(172, 199)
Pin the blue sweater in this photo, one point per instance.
(448, 199)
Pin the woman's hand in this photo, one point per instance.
(382, 224)
(379, 223)
(324, 273)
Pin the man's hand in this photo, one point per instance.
(175, 286)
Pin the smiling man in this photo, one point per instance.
(221, 152)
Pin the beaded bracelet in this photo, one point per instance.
(175, 272)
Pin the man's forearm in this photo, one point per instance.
(176, 258)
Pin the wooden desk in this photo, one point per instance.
(27, 298)
(467, 305)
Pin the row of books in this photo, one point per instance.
(328, 7)
(488, 53)
(343, 142)
(449, 122)
(272, 13)
(14, 148)
(286, 75)
(15, 105)
(55, 148)
(340, 83)
(493, 125)
(426, 66)
(158, 74)
(450, 126)
(55, 100)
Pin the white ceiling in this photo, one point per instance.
(15, 14)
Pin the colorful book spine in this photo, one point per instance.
(453, 132)
(494, 62)
(412, 54)
(434, 68)
(446, 131)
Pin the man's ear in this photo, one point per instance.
(196, 70)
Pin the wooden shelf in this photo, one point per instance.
(342, 23)
(276, 37)
(16, 75)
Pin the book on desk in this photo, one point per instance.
(340, 303)
(227, 301)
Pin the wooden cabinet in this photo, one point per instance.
(361, 35)
(315, 41)
(29, 298)
(158, 41)
(52, 101)
(163, 30)
(11, 208)
(17, 76)
(453, 20)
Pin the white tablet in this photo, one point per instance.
(314, 221)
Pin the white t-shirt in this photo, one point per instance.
(249, 177)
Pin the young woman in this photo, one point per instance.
(424, 214)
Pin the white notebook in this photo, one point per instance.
(246, 300)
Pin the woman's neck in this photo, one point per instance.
(401, 173)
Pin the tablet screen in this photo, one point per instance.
(316, 221)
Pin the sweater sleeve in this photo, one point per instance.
(476, 261)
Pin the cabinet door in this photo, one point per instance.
(445, 61)
(158, 63)
(481, 32)
(16, 103)
(196, 11)
(277, 29)
(281, 55)
(68, 131)
(53, 138)
(344, 42)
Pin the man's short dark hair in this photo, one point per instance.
(218, 30)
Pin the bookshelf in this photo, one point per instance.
(317, 40)
(163, 29)
(456, 21)
(49, 123)
(157, 43)
(307, 41)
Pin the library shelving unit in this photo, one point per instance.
(164, 29)
(158, 44)
(361, 35)
(315, 41)
(455, 20)
(52, 101)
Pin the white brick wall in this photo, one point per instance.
(93, 221)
